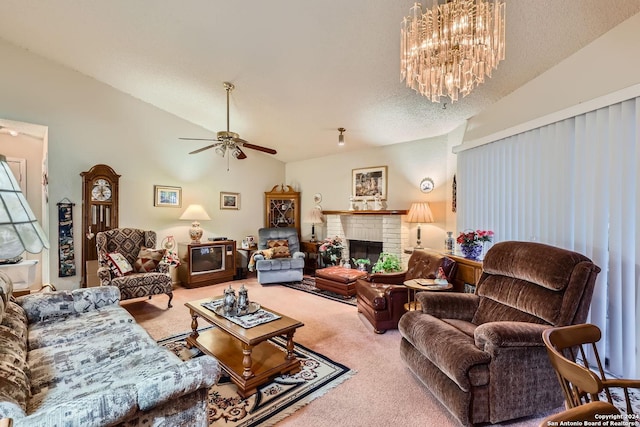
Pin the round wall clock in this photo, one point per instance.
(426, 185)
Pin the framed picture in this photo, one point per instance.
(164, 196)
(367, 182)
(229, 200)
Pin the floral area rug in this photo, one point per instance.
(308, 284)
(275, 400)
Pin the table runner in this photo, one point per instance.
(248, 320)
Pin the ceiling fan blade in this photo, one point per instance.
(199, 139)
(255, 147)
(204, 148)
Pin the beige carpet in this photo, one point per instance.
(383, 393)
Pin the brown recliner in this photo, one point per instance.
(482, 354)
(381, 296)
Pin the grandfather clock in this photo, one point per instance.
(99, 213)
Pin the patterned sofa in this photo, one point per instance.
(76, 358)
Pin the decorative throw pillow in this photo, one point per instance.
(277, 243)
(118, 264)
(281, 252)
(148, 260)
(280, 248)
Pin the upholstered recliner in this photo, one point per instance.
(145, 274)
(482, 354)
(381, 296)
(274, 263)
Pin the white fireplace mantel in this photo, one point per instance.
(367, 212)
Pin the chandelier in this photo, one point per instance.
(448, 49)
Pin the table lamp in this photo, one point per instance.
(195, 213)
(19, 228)
(420, 213)
(314, 217)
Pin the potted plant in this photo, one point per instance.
(387, 263)
(331, 250)
(361, 263)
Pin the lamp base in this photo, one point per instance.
(195, 232)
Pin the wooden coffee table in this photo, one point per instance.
(245, 354)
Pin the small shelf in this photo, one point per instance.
(367, 212)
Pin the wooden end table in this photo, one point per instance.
(245, 354)
(415, 285)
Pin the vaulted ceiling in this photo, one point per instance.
(301, 69)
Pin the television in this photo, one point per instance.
(203, 264)
(207, 259)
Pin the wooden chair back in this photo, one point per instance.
(567, 347)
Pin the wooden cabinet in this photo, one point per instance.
(203, 264)
(282, 207)
(99, 213)
(468, 272)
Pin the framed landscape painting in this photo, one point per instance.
(164, 196)
(367, 182)
(229, 200)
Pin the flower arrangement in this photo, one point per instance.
(471, 242)
(171, 258)
(331, 249)
(477, 237)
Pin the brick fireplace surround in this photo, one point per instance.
(387, 227)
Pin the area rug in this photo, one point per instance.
(275, 400)
(308, 284)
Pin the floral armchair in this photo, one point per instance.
(127, 259)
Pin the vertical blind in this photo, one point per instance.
(572, 184)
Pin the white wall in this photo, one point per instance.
(407, 163)
(91, 123)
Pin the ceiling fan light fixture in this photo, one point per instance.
(341, 136)
(236, 152)
(221, 150)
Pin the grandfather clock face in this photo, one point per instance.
(101, 191)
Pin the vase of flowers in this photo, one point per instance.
(331, 250)
(472, 242)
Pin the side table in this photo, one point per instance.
(244, 255)
(419, 285)
(312, 260)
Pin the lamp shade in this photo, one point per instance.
(315, 216)
(195, 213)
(420, 212)
(19, 228)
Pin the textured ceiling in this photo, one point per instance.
(301, 69)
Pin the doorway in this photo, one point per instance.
(27, 143)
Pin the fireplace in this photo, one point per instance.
(364, 249)
(387, 229)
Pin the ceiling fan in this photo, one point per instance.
(228, 141)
